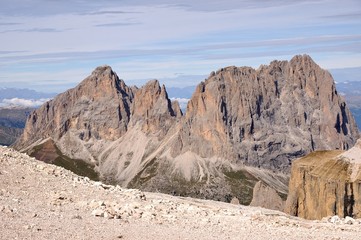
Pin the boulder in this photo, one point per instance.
(326, 183)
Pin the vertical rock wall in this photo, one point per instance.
(326, 183)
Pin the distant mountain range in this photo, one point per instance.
(12, 123)
(24, 93)
(16, 97)
(15, 105)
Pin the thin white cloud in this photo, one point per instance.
(110, 12)
(20, 102)
(9, 23)
(117, 24)
(182, 102)
(46, 7)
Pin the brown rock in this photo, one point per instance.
(235, 201)
(153, 108)
(83, 120)
(266, 117)
(267, 197)
(98, 108)
(326, 183)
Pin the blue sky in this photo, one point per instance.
(51, 45)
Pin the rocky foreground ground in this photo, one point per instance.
(41, 201)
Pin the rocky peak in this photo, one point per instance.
(153, 109)
(304, 58)
(102, 70)
(98, 108)
(102, 83)
(267, 117)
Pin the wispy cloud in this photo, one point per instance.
(39, 30)
(9, 23)
(20, 102)
(350, 15)
(182, 102)
(156, 39)
(117, 24)
(46, 7)
(246, 49)
(10, 52)
(109, 12)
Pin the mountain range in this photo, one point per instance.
(23, 93)
(241, 126)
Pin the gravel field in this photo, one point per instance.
(42, 201)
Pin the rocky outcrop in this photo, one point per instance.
(266, 197)
(266, 117)
(326, 183)
(98, 108)
(241, 125)
(154, 109)
(88, 117)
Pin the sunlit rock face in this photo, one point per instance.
(326, 183)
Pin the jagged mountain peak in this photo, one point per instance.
(100, 108)
(302, 58)
(268, 116)
(103, 73)
(154, 83)
(103, 81)
(104, 69)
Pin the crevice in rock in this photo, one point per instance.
(344, 119)
(349, 200)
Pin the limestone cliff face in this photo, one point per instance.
(266, 117)
(100, 110)
(153, 108)
(326, 183)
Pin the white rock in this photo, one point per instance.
(40, 167)
(107, 215)
(98, 212)
(97, 184)
(335, 219)
(349, 220)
